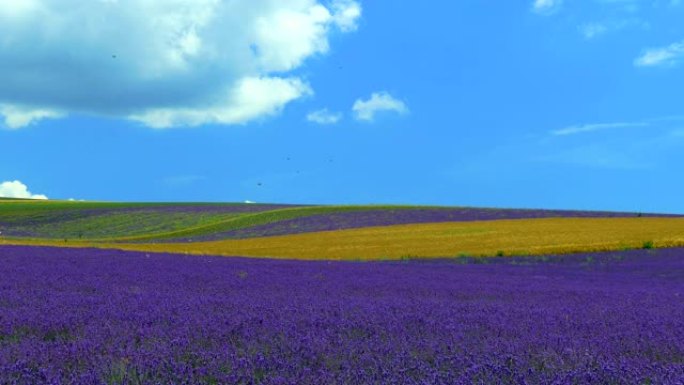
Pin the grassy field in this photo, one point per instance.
(440, 240)
(136, 222)
(243, 221)
(110, 220)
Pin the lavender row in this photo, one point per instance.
(112, 317)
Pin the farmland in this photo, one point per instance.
(138, 293)
(330, 232)
(113, 317)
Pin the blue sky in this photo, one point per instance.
(545, 103)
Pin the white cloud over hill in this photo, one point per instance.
(164, 63)
(16, 189)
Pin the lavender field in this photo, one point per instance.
(112, 317)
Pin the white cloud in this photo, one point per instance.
(346, 14)
(324, 117)
(18, 8)
(546, 6)
(162, 62)
(16, 189)
(250, 99)
(249, 202)
(18, 117)
(378, 102)
(669, 55)
(572, 130)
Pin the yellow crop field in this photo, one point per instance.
(483, 238)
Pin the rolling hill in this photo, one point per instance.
(330, 232)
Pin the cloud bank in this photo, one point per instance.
(378, 102)
(163, 63)
(16, 189)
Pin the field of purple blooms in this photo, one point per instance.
(86, 316)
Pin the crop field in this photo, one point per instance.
(115, 317)
(101, 220)
(330, 232)
(512, 237)
(140, 293)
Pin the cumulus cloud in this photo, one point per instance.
(346, 14)
(324, 117)
(546, 6)
(669, 55)
(16, 189)
(161, 62)
(250, 99)
(378, 102)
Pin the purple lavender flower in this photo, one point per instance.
(90, 316)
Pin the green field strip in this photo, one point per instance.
(102, 220)
(115, 225)
(10, 207)
(255, 219)
(107, 224)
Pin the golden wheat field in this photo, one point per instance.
(484, 238)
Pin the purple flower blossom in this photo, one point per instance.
(85, 316)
